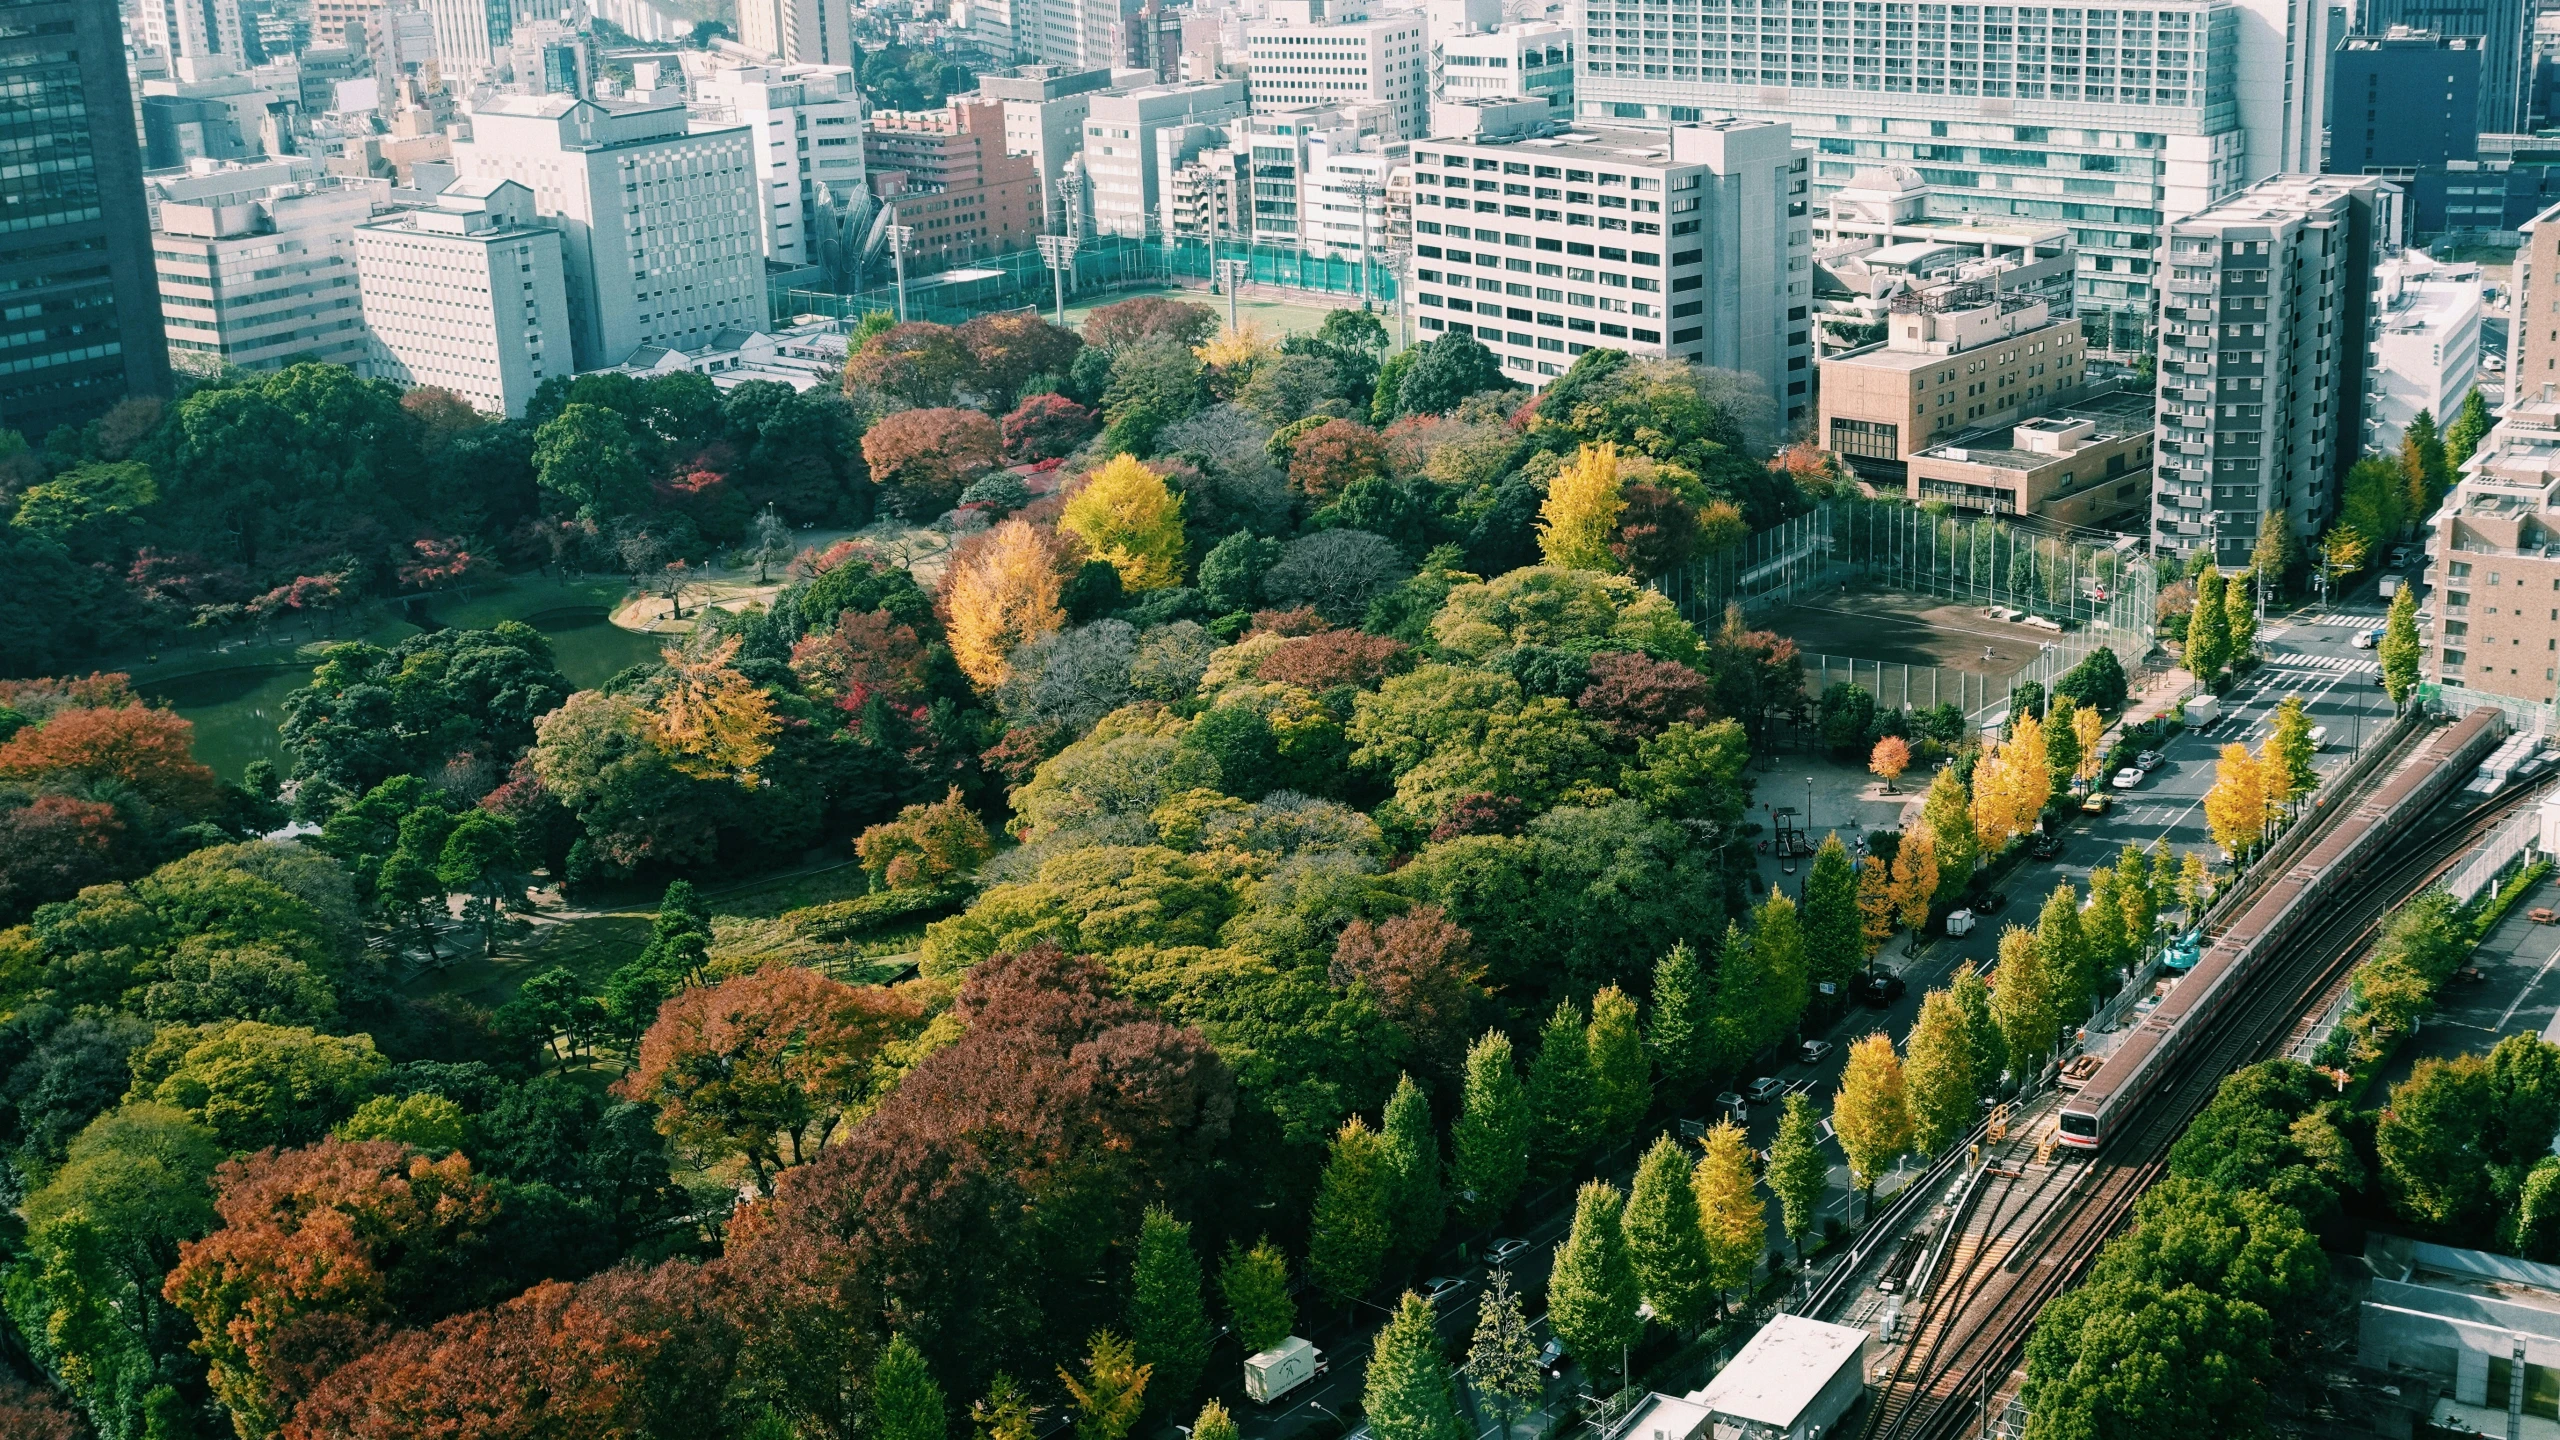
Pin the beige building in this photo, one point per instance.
(1964, 357)
(2084, 464)
(2533, 357)
(2496, 559)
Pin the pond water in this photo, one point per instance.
(237, 711)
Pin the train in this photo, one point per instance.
(2295, 899)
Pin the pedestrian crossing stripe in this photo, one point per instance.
(2336, 617)
(2340, 664)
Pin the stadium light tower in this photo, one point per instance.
(1059, 253)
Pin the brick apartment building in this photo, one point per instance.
(946, 174)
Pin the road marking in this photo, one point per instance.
(2528, 989)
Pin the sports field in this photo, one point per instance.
(1281, 312)
(1899, 628)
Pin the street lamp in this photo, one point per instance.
(1808, 809)
(1058, 252)
(900, 237)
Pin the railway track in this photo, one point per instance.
(2045, 1224)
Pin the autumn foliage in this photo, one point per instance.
(1046, 426)
(1325, 459)
(927, 457)
(712, 722)
(1428, 983)
(1126, 516)
(1000, 593)
(1336, 657)
(1637, 696)
(1149, 317)
(867, 654)
(926, 845)
(153, 751)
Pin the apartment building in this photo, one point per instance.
(2426, 346)
(1044, 114)
(193, 29)
(1691, 244)
(75, 249)
(2086, 464)
(2533, 332)
(470, 294)
(806, 121)
(1325, 53)
(256, 264)
(2495, 558)
(332, 22)
(1877, 238)
(1303, 178)
(2263, 357)
(1529, 61)
(798, 32)
(661, 227)
(948, 178)
(1956, 359)
(1126, 171)
(2406, 100)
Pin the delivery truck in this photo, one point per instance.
(2202, 711)
(1282, 1368)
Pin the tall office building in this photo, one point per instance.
(468, 294)
(257, 264)
(1326, 53)
(472, 36)
(1044, 111)
(807, 123)
(193, 29)
(798, 32)
(83, 325)
(660, 227)
(1074, 34)
(2265, 324)
(2505, 28)
(2404, 101)
(1125, 169)
(1693, 245)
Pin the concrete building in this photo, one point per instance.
(1044, 114)
(660, 227)
(83, 327)
(1956, 358)
(808, 137)
(802, 355)
(1793, 1381)
(1325, 53)
(1125, 176)
(1299, 179)
(194, 29)
(2086, 464)
(1073, 34)
(2505, 32)
(2426, 346)
(2404, 101)
(798, 32)
(2495, 558)
(472, 36)
(549, 58)
(2146, 123)
(1345, 208)
(256, 264)
(946, 174)
(1532, 61)
(2533, 332)
(2262, 365)
(1876, 239)
(470, 294)
(2459, 1321)
(1691, 244)
(332, 22)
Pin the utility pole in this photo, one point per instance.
(1231, 274)
(1400, 264)
(1362, 189)
(900, 237)
(1059, 253)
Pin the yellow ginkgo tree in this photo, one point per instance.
(1581, 511)
(1126, 515)
(712, 722)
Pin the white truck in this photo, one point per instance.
(2390, 586)
(2202, 710)
(1282, 1368)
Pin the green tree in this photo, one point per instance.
(1798, 1175)
(678, 949)
(1168, 1323)
(2064, 953)
(2291, 744)
(2062, 743)
(2240, 598)
(1939, 1072)
(2433, 1145)
(2102, 930)
(1972, 997)
(1729, 1208)
(1621, 1076)
(2470, 425)
(1561, 1092)
(1948, 815)
(2423, 465)
(1214, 1423)
(1872, 1111)
(2400, 651)
(1777, 949)
(1409, 1395)
(1593, 1297)
(1489, 1143)
(2134, 1362)
(2024, 1007)
(1353, 1226)
(1255, 1285)
(2524, 1079)
(1678, 1034)
(1006, 1413)
(589, 457)
(480, 859)
(2209, 628)
(1835, 945)
(2138, 890)
(1419, 1207)
(1502, 1363)
(906, 1404)
(2272, 556)
(1113, 1392)
(1666, 1240)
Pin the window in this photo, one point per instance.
(1866, 439)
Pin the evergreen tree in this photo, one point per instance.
(1409, 1396)
(1798, 1173)
(1113, 1391)
(2023, 1007)
(1666, 1240)
(1730, 1211)
(1872, 1111)
(1677, 1036)
(1835, 946)
(2208, 629)
(1621, 1076)
(2064, 953)
(1972, 997)
(2062, 743)
(678, 949)
(1349, 1235)
(2422, 461)
(1168, 1322)
(1561, 1093)
(1939, 1073)
(2400, 650)
(2137, 893)
(2102, 930)
(1948, 814)
(905, 1403)
(2240, 598)
(1489, 1144)
(1592, 1294)
(1255, 1285)
(1503, 1361)
(1420, 1206)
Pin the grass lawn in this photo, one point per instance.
(1282, 312)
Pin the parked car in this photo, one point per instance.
(2045, 846)
(1812, 1051)
(2127, 778)
(1992, 903)
(1766, 1088)
(2148, 761)
(1551, 1359)
(1734, 1106)
(1882, 988)
(1505, 1250)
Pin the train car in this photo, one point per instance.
(2289, 902)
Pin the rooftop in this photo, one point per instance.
(2279, 197)
(1782, 1370)
(1615, 147)
(2116, 415)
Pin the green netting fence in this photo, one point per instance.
(1102, 264)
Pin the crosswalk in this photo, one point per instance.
(2335, 664)
(2349, 618)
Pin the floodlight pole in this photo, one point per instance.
(1059, 252)
(900, 237)
(1231, 274)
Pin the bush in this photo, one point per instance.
(843, 921)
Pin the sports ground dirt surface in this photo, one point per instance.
(1904, 629)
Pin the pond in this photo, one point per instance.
(237, 711)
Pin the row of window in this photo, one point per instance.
(1639, 335)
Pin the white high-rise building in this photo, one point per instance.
(2112, 122)
(1692, 244)
(468, 294)
(256, 263)
(2426, 346)
(192, 29)
(1072, 34)
(1328, 53)
(798, 32)
(807, 122)
(1531, 61)
(661, 227)
(1124, 167)
(472, 36)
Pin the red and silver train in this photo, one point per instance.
(2294, 900)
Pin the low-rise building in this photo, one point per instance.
(1300, 178)
(469, 293)
(2495, 555)
(2426, 349)
(804, 355)
(2084, 464)
(1326, 53)
(1955, 358)
(1044, 113)
(256, 264)
(2458, 1321)
(1792, 1381)
(1528, 61)
(1876, 238)
(947, 175)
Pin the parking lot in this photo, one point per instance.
(2518, 993)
